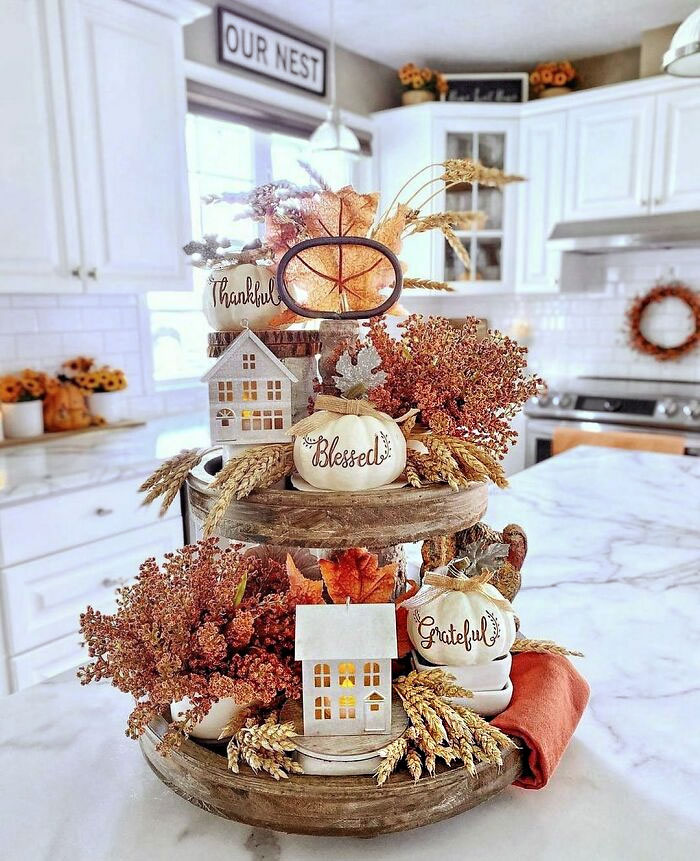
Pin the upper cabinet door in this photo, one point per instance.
(608, 170)
(676, 183)
(39, 246)
(542, 142)
(127, 84)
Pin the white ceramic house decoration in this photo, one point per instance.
(345, 652)
(250, 394)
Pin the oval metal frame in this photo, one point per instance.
(338, 315)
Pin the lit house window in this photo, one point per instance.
(274, 390)
(346, 675)
(322, 708)
(248, 361)
(322, 676)
(251, 420)
(346, 706)
(225, 391)
(250, 390)
(371, 674)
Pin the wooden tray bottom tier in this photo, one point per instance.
(330, 806)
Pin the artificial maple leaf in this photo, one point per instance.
(301, 589)
(342, 277)
(403, 642)
(354, 574)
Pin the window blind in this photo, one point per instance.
(203, 99)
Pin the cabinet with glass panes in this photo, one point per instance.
(491, 248)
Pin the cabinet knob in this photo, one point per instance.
(92, 273)
(658, 201)
(643, 202)
(104, 512)
(76, 273)
(111, 582)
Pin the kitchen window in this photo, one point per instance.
(227, 155)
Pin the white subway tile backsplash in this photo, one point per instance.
(59, 320)
(34, 300)
(15, 321)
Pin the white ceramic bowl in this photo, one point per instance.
(490, 676)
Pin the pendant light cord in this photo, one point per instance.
(332, 55)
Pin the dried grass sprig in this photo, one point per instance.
(457, 246)
(546, 647)
(257, 468)
(439, 728)
(167, 480)
(426, 284)
(264, 747)
(455, 220)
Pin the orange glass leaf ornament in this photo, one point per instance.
(354, 574)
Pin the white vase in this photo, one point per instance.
(23, 419)
(213, 723)
(107, 405)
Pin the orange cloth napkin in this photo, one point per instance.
(549, 696)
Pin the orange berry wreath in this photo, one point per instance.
(636, 312)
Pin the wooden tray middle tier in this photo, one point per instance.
(378, 518)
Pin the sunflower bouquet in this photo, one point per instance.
(28, 385)
(92, 379)
(103, 379)
(546, 76)
(413, 78)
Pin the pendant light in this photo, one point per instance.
(683, 55)
(332, 135)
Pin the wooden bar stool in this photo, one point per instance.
(565, 438)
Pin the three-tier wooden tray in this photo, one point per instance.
(340, 806)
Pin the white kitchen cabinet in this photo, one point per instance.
(409, 139)
(43, 599)
(676, 168)
(127, 84)
(95, 196)
(39, 244)
(609, 149)
(493, 142)
(542, 150)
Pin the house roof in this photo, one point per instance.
(336, 631)
(245, 338)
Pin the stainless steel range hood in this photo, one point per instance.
(672, 230)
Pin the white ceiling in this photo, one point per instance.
(473, 34)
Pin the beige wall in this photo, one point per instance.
(363, 85)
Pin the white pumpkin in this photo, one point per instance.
(238, 293)
(351, 453)
(461, 628)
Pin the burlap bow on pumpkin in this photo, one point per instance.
(440, 582)
(327, 409)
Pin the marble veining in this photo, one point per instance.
(613, 570)
(71, 463)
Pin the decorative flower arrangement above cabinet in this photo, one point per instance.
(97, 192)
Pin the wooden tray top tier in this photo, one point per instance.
(371, 518)
(333, 806)
(284, 343)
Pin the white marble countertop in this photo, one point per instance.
(70, 463)
(614, 569)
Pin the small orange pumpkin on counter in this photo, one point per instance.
(66, 409)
